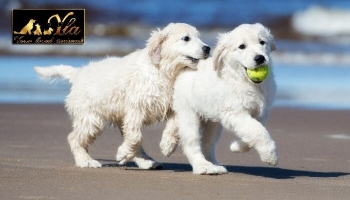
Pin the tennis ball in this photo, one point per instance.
(259, 74)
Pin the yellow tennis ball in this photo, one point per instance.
(259, 74)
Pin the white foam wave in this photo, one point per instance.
(320, 21)
(339, 136)
(313, 58)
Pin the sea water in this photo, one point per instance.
(310, 73)
(307, 86)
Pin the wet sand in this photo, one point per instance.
(36, 163)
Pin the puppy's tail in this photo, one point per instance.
(55, 72)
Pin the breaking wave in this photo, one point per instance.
(322, 21)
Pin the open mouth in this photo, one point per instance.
(194, 60)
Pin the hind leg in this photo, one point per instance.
(141, 158)
(131, 130)
(170, 136)
(84, 134)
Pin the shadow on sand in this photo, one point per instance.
(279, 173)
(268, 172)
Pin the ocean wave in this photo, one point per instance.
(99, 46)
(322, 21)
(312, 58)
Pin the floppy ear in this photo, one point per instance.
(217, 58)
(218, 53)
(154, 45)
(270, 38)
(272, 44)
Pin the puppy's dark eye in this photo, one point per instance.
(242, 46)
(262, 42)
(186, 38)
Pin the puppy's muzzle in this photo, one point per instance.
(259, 59)
(206, 51)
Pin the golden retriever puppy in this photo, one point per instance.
(220, 93)
(127, 92)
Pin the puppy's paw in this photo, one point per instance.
(268, 154)
(168, 146)
(209, 169)
(270, 158)
(123, 159)
(147, 164)
(239, 147)
(124, 155)
(88, 164)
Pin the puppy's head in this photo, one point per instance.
(247, 46)
(179, 44)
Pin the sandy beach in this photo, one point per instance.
(36, 163)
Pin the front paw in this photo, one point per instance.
(209, 169)
(270, 158)
(143, 163)
(124, 155)
(168, 146)
(268, 154)
(89, 163)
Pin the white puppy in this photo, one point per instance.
(220, 92)
(127, 92)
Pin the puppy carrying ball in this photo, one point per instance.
(234, 89)
(127, 92)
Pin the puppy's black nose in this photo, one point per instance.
(259, 59)
(206, 50)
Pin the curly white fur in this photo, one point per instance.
(220, 92)
(127, 92)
